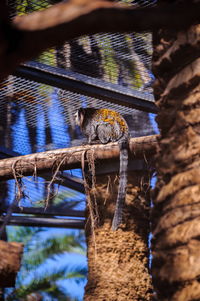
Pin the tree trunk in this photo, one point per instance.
(118, 260)
(176, 230)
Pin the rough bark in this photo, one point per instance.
(69, 158)
(10, 254)
(27, 36)
(176, 230)
(118, 260)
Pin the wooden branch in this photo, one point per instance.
(10, 254)
(70, 158)
(40, 30)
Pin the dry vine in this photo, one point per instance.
(50, 184)
(92, 210)
(18, 196)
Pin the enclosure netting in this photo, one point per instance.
(37, 117)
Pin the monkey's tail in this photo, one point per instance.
(122, 185)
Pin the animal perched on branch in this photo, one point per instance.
(108, 126)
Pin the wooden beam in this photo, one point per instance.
(70, 158)
(49, 211)
(66, 180)
(45, 222)
(80, 83)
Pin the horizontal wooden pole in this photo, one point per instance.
(49, 211)
(45, 222)
(70, 158)
(66, 180)
(81, 83)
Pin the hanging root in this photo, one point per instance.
(92, 172)
(92, 206)
(50, 184)
(18, 196)
(107, 189)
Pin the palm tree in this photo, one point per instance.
(41, 273)
(176, 265)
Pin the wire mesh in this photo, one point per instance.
(123, 59)
(37, 117)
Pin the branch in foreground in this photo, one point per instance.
(70, 158)
(11, 254)
(40, 30)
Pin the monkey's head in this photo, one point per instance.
(79, 116)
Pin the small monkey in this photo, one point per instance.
(108, 126)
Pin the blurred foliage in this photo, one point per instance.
(42, 252)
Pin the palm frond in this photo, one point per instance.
(53, 247)
(46, 283)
